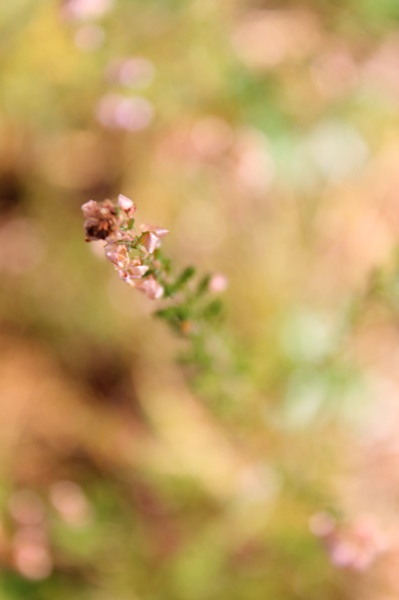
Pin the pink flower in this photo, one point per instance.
(118, 254)
(152, 235)
(131, 113)
(150, 287)
(217, 283)
(355, 546)
(150, 242)
(134, 270)
(31, 553)
(71, 503)
(127, 205)
(133, 72)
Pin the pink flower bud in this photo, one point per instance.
(90, 209)
(126, 204)
(218, 283)
(160, 232)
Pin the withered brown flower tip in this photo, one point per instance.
(100, 220)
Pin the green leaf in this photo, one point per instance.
(203, 285)
(181, 281)
(175, 316)
(213, 310)
(165, 262)
(185, 276)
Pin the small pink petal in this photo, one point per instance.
(117, 254)
(137, 272)
(150, 242)
(90, 209)
(134, 270)
(160, 232)
(126, 204)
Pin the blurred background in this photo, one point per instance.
(264, 135)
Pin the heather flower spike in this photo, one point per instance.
(137, 258)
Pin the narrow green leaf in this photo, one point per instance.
(203, 285)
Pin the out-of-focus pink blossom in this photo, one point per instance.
(355, 546)
(81, 10)
(31, 553)
(70, 502)
(120, 112)
(266, 38)
(254, 167)
(150, 241)
(218, 283)
(135, 72)
(150, 287)
(126, 204)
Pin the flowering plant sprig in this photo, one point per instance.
(137, 256)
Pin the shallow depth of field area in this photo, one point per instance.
(136, 464)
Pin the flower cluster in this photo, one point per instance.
(134, 254)
(193, 311)
(81, 10)
(354, 546)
